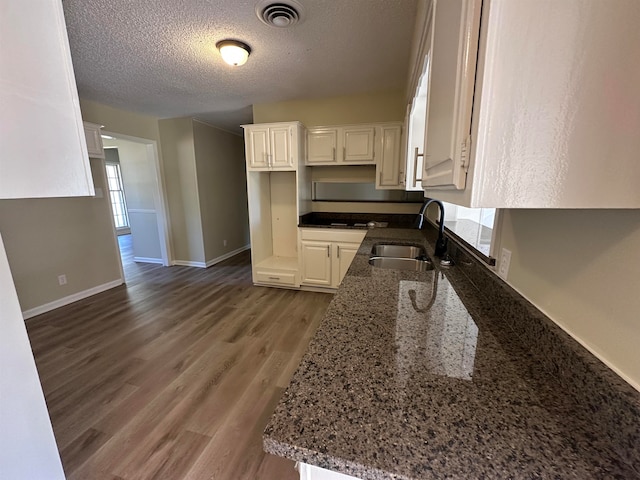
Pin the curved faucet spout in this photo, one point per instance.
(441, 243)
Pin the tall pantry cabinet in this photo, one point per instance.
(279, 191)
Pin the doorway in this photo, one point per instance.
(138, 200)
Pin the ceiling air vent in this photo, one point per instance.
(279, 14)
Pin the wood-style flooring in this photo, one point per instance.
(174, 375)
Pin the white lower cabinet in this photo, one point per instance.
(316, 263)
(311, 472)
(326, 255)
(345, 253)
(275, 277)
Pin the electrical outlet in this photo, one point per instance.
(62, 279)
(505, 260)
(224, 243)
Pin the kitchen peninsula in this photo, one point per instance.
(450, 374)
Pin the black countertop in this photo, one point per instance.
(355, 220)
(414, 375)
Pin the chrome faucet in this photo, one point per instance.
(441, 243)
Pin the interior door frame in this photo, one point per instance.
(159, 194)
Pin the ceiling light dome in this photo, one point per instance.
(233, 52)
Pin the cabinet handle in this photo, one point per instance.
(380, 179)
(344, 154)
(274, 278)
(334, 154)
(415, 166)
(328, 250)
(338, 251)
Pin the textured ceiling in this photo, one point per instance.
(158, 57)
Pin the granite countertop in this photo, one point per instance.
(404, 380)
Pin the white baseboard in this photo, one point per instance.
(227, 255)
(311, 288)
(185, 263)
(61, 302)
(148, 260)
(208, 263)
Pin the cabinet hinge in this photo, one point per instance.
(464, 153)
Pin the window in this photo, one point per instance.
(472, 225)
(116, 194)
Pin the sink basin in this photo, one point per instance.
(401, 263)
(398, 251)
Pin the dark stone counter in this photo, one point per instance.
(450, 374)
(355, 220)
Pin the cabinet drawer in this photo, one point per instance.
(264, 276)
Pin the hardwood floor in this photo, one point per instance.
(174, 375)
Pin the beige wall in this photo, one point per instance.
(48, 237)
(182, 189)
(145, 127)
(222, 189)
(120, 121)
(363, 108)
(582, 267)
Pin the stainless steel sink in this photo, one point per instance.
(413, 264)
(398, 251)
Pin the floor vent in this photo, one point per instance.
(279, 14)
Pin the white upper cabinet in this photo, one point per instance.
(272, 146)
(322, 144)
(280, 139)
(454, 43)
(341, 145)
(44, 152)
(391, 163)
(93, 136)
(555, 108)
(357, 144)
(257, 147)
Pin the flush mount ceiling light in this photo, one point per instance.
(280, 14)
(234, 52)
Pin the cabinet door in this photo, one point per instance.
(94, 140)
(316, 263)
(257, 148)
(456, 26)
(345, 253)
(390, 160)
(322, 144)
(44, 152)
(357, 144)
(280, 143)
